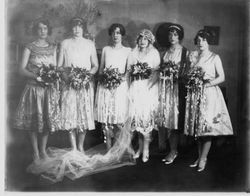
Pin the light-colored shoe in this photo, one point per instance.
(145, 157)
(195, 164)
(36, 158)
(137, 154)
(202, 165)
(165, 158)
(170, 158)
(44, 155)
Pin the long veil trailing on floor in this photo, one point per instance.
(76, 164)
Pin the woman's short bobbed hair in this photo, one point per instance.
(205, 34)
(41, 21)
(117, 25)
(178, 28)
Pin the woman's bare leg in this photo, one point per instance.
(34, 143)
(81, 138)
(72, 139)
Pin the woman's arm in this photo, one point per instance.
(155, 74)
(102, 61)
(55, 56)
(94, 61)
(219, 71)
(130, 61)
(24, 62)
(60, 56)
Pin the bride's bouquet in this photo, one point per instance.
(48, 74)
(140, 71)
(169, 69)
(78, 78)
(111, 78)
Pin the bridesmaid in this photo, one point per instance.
(172, 94)
(77, 105)
(111, 107)
(143, 92)
(35, 109)
(213, 117)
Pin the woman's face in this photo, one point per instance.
(173, 37)
(116, 35)
(202, 43)
(42, 31)
(77, 31)
(143, 42)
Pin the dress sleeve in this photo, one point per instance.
(102, 64)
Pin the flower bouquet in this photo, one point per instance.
(195, 102)
(78, 78)
(140, 71)
(48, 75)
(111, 78)
(169, 69)
(195, 78)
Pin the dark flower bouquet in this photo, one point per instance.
(111, 78)
(140, 71)
(195, 78)
(195, 102)
(49, 74)
(78, 78)
(169, 69)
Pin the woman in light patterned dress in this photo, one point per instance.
(214, 119)
(111, 106)
(172, 94)
(77, 105)
(38, 102)
(143, 93)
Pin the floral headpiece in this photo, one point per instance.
(147, 34)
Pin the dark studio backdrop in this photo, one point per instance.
(230, 17)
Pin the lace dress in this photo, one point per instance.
(143, 101)
(111, 106)
(38, 108)
(77, 105)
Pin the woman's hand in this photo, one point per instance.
(208, 84)
(39, 79)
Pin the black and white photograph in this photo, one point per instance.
(126, 96)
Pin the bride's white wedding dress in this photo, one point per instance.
(76, 164)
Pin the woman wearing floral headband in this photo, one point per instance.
(208, 115)
(111, 98)
(172, 91)
(78, 55)
(142, 63)
(36, 106)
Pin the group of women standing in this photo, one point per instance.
(140, 105)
